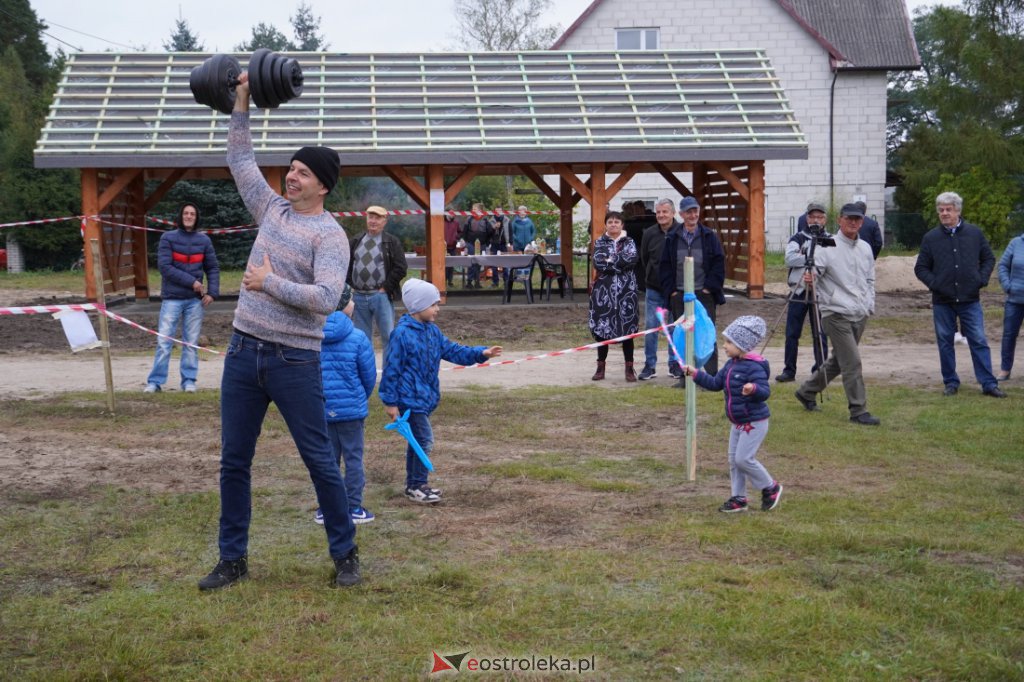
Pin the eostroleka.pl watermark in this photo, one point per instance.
(463, 662)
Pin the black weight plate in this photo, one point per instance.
(255, 80)
(195, 83)
(267, 74)
(221, 70)
(280, 79)
(292, 79)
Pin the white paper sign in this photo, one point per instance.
(78, 329)
(436, 201)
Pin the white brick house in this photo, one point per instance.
(823, 52)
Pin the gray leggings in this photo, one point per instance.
(744, 440)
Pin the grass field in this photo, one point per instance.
(568, 530)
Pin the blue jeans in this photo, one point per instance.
(1013, 315)
(347, 443)
(797, 311)
(652, 301)
(376, 306)
(257, 373)
(972, 326)
(189, 313)
(415, 472)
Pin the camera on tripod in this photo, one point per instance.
(819, 237)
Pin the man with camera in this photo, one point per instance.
(797, 249)
(843, 279)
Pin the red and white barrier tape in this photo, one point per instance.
(43, 309)
(40, 222)
(28, 310)
(557, 353)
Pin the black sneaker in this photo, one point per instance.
(809, 405)
(770, 496)
(995, 392)
(733, 505)
(348, 569)
(950, 389)
(674, 370)
(866, 419)
(785, 378)
(225, 573)
(646, 373)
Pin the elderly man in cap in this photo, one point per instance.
(799, 308)
(697, 240)
(844, 277)
(293, 281)
(375, 275)
(955, 262)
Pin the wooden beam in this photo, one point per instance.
(274, 175)
(620, 182)
(436, 248)
(577, 198)
(459, 183)
(734, 180)
(412, 187)
(672, 179)
(755, 230)
(137, 210)
(565, 204)
(114, 188)
(538, 182)
(598, 207)
(90, 207)
(570, 177)
(154, 198)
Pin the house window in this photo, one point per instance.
(636, 39)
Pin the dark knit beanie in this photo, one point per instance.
(324, 163)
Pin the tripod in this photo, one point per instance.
(808, 297)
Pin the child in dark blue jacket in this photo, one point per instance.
(348, 369)
(744, 378)
(410, 382)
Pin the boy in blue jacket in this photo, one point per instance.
(349, 370)
(744, 378)
(410, 382)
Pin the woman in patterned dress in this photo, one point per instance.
(613, 300)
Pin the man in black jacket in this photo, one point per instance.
(955, 262)
(651, 244)
(697, 240)
(375, 274)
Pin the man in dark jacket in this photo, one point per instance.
(375, 274)
(955, 262)
(183, 257)
(696, 240)
(870, 231)
(651, 244)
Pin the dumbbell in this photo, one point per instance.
(273, 80)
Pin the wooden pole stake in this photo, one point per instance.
(97, 273)
(691, 388)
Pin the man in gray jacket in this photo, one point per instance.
(845, 284)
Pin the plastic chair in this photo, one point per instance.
(524, 275)
(553, 272)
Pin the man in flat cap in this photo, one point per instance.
(293, 281)
(693, 239)
(798, 309)
(844, 277)
(375, 275)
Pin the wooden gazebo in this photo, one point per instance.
(589, 121)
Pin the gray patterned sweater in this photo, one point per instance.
(309, 256)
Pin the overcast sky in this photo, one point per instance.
(349, 25)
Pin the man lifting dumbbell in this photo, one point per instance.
(294, 279)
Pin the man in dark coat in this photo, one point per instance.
(870, 231)
(955, 262)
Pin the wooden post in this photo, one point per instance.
(140, 262)
(90, 207)
(436, 248)
(691, 388)
(94, 249)
(565, 225)
(755, 232)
